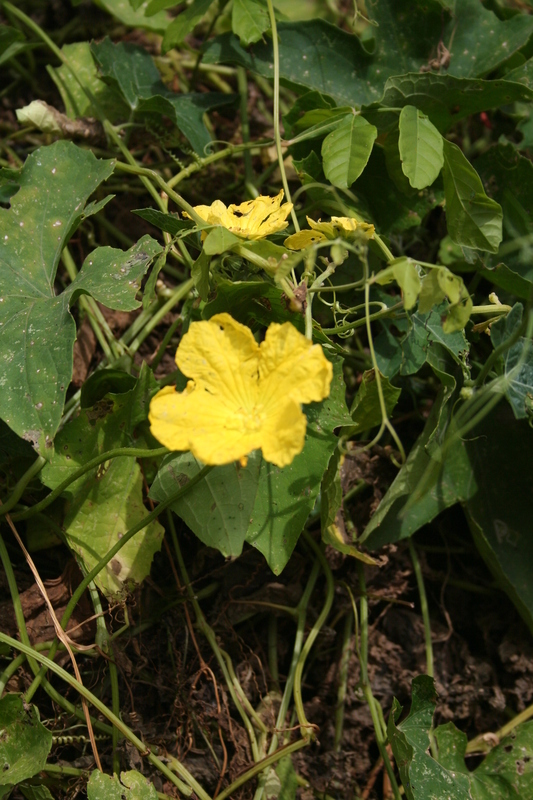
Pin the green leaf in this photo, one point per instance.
(218, 240)
(473, 219)
(84, 75)
(131, 69)
(12, 42)
(131, 786)
(426, 330)
(171, 223)
(365, 410)
(25, 742)
(443, 98)
(402, 270)
(103, 382)
(249, 20)
(135, 17)
(345, 151)
(252, 302)
(307, 110)
(262, 504)
(110, 423)
(439, 284)
(396, 518)
(510, 178)
(289, 780)
(35, 791)
(423, 778)
(184, 23)
(499, 513)
(391, 210)
(112, 276)
(37, 333)
(421, 148)
(517, 362)
(505, 774)
(482, 42)
(102, 510)
(200, 274)
(218, 509)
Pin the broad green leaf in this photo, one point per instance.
(24, 743)
(105, 381)
(390, 210)
(499, 513)
(402, 270)
(252, 302)
(426, 330)
(110, 423)
(482, 41)
(171, 223)
(510, 178)
(218, 509)
(249, 20)
(473, 219)
(135, 17)
(35, 791)
(423, 778)
(444, 98)
(103, 508)
(505, 774)
(421, 148)
(112, 276)
(218, 240)
(131, 786)
(308, 109)
(261, 503)
(345, 151)
(394, 163)
(396, 518)
(365, 410)
(84, 75)
(131, 70)
(285, 497)
(37, 332)
(517, 363)
(439, 284)
(184, 23)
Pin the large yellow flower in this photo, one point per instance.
(343, 227)
(242, 395)
(253, 219)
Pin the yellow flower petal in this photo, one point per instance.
(253, 219)
(303, 239)
(291, 366)
(344, 227)
(242, 395)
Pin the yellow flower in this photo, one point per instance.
(242, 395)
(343, 227)
(253, 219)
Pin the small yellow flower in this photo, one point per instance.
(343, 227)
(242, 395)
(253, 219)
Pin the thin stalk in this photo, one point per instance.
(242, 86)
(131, 452)
(209, 634)
(178, 294)
(76, 595)
(48, 664)
(21, 485)
(233, 150)
(343, 681)
(424, 608)
(361, 634)
(306, 728)
(260, 766)
(277, 134)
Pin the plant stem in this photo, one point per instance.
(424, 608)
